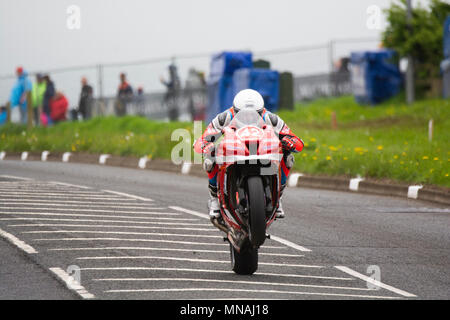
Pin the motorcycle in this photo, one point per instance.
(249, 155)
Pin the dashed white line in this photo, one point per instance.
(72, 283)
(98, 210)
(17, 242)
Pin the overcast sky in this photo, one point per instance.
(35, 34)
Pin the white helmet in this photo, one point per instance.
(248, 99)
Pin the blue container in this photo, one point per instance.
(447, 38)
(220, 88)
(445, 69)
(266, 82)
(374, 76)
(3, 117)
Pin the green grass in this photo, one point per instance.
(386, 141)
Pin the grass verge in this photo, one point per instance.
(386, 141)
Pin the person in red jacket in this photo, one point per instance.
(246, 99)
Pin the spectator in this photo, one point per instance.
(19, 95)
(37, 97)
(124, 96)
(86, 96)
(140, 101)
(58, 107)
(173, 88)
(48, 95)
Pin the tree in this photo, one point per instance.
(424, 43)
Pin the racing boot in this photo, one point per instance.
(213, 203)
(279, 214)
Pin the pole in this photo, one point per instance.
(410, 69)
(100, 81)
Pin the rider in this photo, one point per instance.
(246, 99)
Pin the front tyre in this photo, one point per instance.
(245, 262)
(257, 209)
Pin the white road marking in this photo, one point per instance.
(98, 210)
(112, 202)
(17, 242)
(190, 235)
(192, 212)
(211, 271)
(374, 282)
(134, 240)
(101, 220)
(69, 184)
(63, 196)
(48, 205)
(139, 248)
(128, 195)
(275, 238)
(112, 226)
(72, 283)
(232, 282)
(75, 214)
(14, 177)
(160, 249)
(234, 290)
(289, 243)
(194, 260)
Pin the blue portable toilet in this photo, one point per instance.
(220, 85)
(374, 76)
(447, 38)
(3, 117)
(266, 82)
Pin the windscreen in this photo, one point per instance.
(246, 118)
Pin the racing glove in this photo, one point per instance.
(292, 144)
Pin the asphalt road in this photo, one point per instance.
(151, 240)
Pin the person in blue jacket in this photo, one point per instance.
(19, 93)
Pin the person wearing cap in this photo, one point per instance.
(37, 97)
(19, 93)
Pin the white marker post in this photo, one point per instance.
(103, 158)
(354, 183)
(143, 162)
(413, 191)
(430, 130)
(2, 155)
(66, 156)
(293, 179)
(24, 156)
(186, 167)
(44, 155)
